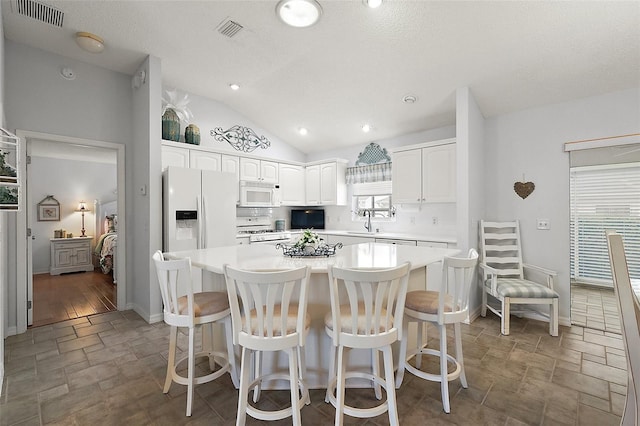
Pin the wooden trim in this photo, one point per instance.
(629, 139)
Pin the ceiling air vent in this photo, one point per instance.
(229, 28)
(38, 10)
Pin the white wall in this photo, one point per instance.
(470, 139)
(209, 114)
(96, 105)
(70, 182)
(341, 217)
(530, 143)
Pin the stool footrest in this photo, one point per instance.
(224, 368)
(430, 376)
(277, 414)
(359, 412)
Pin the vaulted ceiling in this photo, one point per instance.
(356, 64)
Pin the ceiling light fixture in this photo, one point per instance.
(366, 128)
(303, 131)
(234, 86)
(90, 42)
(409, 99)
(372, 3)
(299, 13)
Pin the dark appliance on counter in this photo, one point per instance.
(307, 218)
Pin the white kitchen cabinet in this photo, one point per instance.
(425, 174)
(436, 244)
(242, 240)
(347, 240)
(174, 156)
(258, 170)
(312, 185)
(205, 160)
(70, 255)
(292, 184)
(231, 164)
(396, 241)
(326, 184)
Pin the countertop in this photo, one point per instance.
(390, 235)
(265, 257)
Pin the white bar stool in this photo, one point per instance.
(449, 305)
(368, 317)
(191, 311)
(268, 321)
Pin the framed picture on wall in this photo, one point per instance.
(49, 209)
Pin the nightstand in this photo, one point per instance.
(70, 255)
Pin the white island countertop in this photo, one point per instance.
(389, 235)
(264, 256)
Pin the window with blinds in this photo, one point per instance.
(604, 197)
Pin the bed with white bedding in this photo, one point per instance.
(105, 249)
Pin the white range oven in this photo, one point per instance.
(260, 230)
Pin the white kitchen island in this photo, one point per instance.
(265, 257)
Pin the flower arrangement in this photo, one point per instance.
(309, 238)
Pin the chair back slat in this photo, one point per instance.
(375, 298)
(457, 278)
(261, 302)
(501, 248)
(170, 273)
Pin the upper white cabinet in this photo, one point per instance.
(231, 164)
(292, 185)
(425, 174)
(326, 184)
(258, 170)
(312, 185)
(173, 156)
(205, 160)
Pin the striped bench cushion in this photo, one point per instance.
(516, 287)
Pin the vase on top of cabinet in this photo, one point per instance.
(192, 134)
(170, 125)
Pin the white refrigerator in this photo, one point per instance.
(199, 211)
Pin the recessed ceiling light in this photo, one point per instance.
(366, 128)
(303, 131)
(372, 3)
(409, 99)
(89, 42)
(234, 86)
(299, 13)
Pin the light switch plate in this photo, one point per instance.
(543, 224)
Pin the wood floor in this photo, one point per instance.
(69, 296)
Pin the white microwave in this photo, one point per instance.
(259, 194)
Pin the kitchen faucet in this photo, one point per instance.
(368, 225)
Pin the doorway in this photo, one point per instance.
(82, 163)
(603, 197)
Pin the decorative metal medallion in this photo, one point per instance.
(241, 138)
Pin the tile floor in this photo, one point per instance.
(595, 307)
(108, 369)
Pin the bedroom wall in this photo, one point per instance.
(530, 143)
(70, 182)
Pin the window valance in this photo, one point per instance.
(369, 173)
(373, 165)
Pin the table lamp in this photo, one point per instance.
(82, 207)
